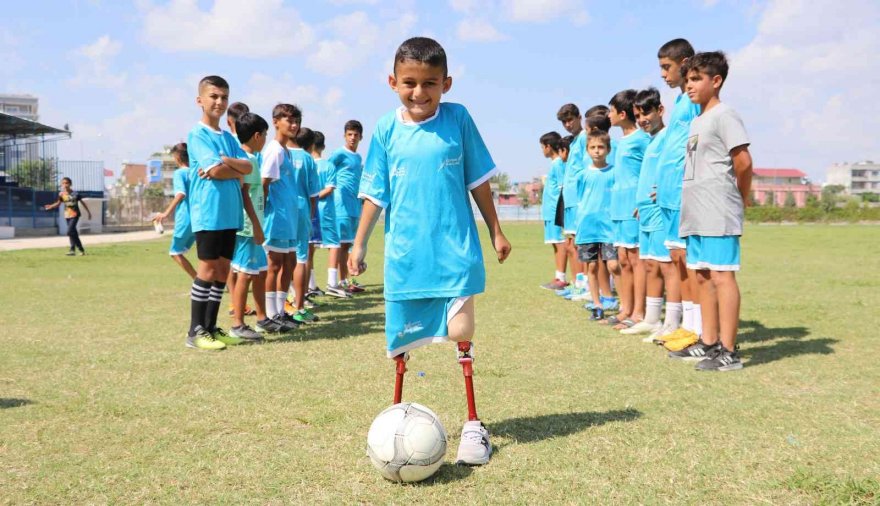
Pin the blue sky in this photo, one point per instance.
(123, 74)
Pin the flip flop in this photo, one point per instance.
(625, 324)
(610, 321)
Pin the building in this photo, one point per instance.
(856, 178)
(780, 183)
(134, 174)
(20, 106)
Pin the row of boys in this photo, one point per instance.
(259, 224)
(660, 209)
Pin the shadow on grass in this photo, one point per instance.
(447, 473)
(14, 403)
(779, 343)
(529, 429)
(343, 318)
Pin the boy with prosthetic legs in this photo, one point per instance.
(423, 159)
(715, 191)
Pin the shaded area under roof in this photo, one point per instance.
(13, 126)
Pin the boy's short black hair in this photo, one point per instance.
(319, 141)
(713, 63)
(567, 112)
(676, 49)
(566, 142)
(305, 138)
(287, 111)
(213, 81)
(552, 139)
(597, 118)
(355, 125)
(600, 135)
(236, 110)
(422, 50)
(648, 100)
(623, 101)
(65, 178)
(249, 124)
(179, 150)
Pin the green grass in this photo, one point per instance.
(101, 403)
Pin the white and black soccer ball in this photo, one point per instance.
(406, 442)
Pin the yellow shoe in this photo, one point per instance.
(289, 308)
(680, 339)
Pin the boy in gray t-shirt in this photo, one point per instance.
(715, 190)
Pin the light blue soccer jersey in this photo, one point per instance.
(594, 218)
(305, 177)
(349, 167)
(280, 214)
(327, 179)
(421, 173)
(552, 188)
(577, 161)
(650, 219)
(670, 167)
(180, 181)
(214, 204)
(628, 156)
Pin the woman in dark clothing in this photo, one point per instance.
(71, 201)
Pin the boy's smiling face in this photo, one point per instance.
(419, 87)
(650, 121)
(213, 101)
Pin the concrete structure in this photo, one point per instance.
(779, 183)
(856, 178)
(134, 173)
(21, 106)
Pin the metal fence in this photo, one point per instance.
(86, 176)
(23, 207)
(135, 210)
(28, 162)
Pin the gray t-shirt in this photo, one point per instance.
(711, 204)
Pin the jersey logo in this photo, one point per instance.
(398, 171)
(298, 164)
(411, 328)
(451, 162)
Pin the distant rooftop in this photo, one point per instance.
(780, 173)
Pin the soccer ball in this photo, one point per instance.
(406, 442)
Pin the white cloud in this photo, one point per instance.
(541, 11)
(93, 64)
(816, 81)
(267, 29)
(478, 30)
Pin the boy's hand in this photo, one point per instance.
(502, 247)
(356, 263)
(636, 213)
(258, 237)
(159, 217)
(203, 174)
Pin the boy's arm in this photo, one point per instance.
(251, 214)
(326, 191)
(83, 202)
(241, 165)
(170, 209)
(483, 197)
(220, 172)
(369, 216)
(53, 205)
(742, 168)
(313, 207)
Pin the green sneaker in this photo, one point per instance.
(300, 316)
(203, 340)
(227, 339)
(310, 316)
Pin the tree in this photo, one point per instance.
(790, 200)
(523, 196)
(770, 201)
(502, 180)
(831, 196)
(37, 174)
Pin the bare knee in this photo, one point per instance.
(461, 326)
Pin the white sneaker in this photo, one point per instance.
(642, 327)
(659, 334)
(337, 291)
(474, 449)
(585, 295)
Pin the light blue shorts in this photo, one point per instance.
(672, 221)
(303, 231)
(346, 228)
(651, 246)
(625, 233)
(713, 253)
(552, 233)
(249, 258)
(279, 245)
(180, 244)
(569, 221)
(410, 324)
(315, 237)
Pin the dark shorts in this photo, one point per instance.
(214, 244)
(593, 251)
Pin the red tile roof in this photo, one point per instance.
(771, 173)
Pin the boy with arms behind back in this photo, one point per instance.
(423, 160)
(348, 167)
(715, 191)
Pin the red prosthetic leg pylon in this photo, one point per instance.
(467, 367)
(398, 383)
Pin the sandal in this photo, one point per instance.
(610, 321)
(625, 324)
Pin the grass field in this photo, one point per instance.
(101, 403)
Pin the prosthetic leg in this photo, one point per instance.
(398, 383)
(467, 366)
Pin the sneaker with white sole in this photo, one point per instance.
(337, 291)
(720, 359)
(695, 352)
(246, 333)
(642, 327)
(660, 334)
(475, 448)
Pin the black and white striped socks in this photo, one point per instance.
(215, 296)
(199, 295)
